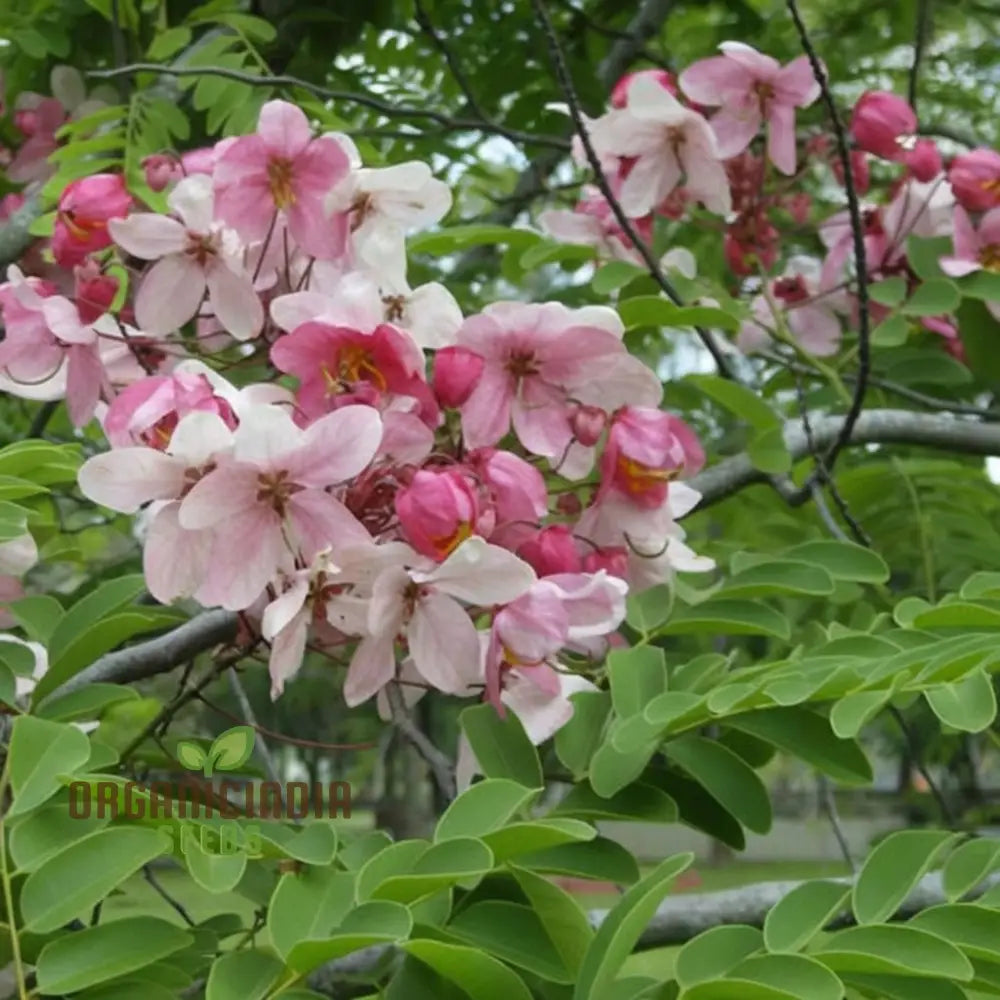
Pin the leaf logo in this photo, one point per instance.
(229, 751)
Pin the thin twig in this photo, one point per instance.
(920, 40)
(427, 26)
(947, 817)
(569, 91)
(858, 238)
(440, 766)
(828, 804)
(366, 100)
(45, 413)
(260, 745)
(154, 882)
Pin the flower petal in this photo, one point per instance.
(372, 667)
(234, 301)
(170, 294)
(148, 236)
(444, 644)
(481, 573)
(126, 478)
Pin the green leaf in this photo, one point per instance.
(40, 752)
(893, 950)
(564, 921)
(739, 400)
(782, 576)
(924, 253)
(637, 674)
(978, 329)
(242, 975)
(513, 933)
(96, 954)
(395, 859)
(726, 777)
(578, 740)
(958, 614)
(968, 865)
(905, 987)
(459, 860)
(482, 808)
(798, 917)
(83, 874)
(374, 923)
(612, 769)
(314, 843)
(215, 873)
(808, 736)
(889, 292)
(192, 755)
(480, 975)
(648, 609)
(798, 975)
(526, 838)
(768, 452)
(232, 749)
(891, 332)
(501, 746)
(308, 904)
(638, 802)
(843, 560)
(935, 297)
(614, 275)
(975, 929)
(724, 616)
(38, 835)
(168, 43)
(736, 989)
(601, 858)
(445, 241)
(854, 711)
(969, 704)
(92, 609)
(622, 927)
(38, 616)
(715, 952)
(653, 310)
(84, 703)
(893, 869)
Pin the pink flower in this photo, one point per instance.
(282, 169)
(161, 170)
(551, 550)
(270, 499)
(619, 94)
(456, 372)
(752, 89)
(148, 411)
(975, 249)
(975, 179)
(85, 208)
(922, 158)
(192, 255)
(592, 222)
(516, 487)
(880, 122)
(423, 604)
(437, 511)
(647, 449)
(534, 356)
(39, 119)
(669, 143)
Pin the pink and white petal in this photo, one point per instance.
(296, 308)
(169, 294)
(541, 714)
(247, 552)
(318, 234)
(989, 228)
(84, 378)
(650, 102)
(411, 688)
(735, 127)
(816, 329)
(287, 650)
(337, 447)
(148, 236)
(175, 562)
(126, 478)
(480, 573)
(266, 435)
(708, 183)
(235, 303)
(63, 320)
(433, 316)
(227, 492)
(319, 521)
(964, 236)
(386, 609)
(797, 84)
(199, 437)
(781, 137)
(758, 65)
(406, 439)
(444, 643)
(284, 129)
(595, 602)
(486, 413)
(959, 267)
(280, 613)
(372, 667)
(714, 80)
(18, 555)
(652, 178)
(194, 201)
(542, 425)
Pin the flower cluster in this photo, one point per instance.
(459, 502)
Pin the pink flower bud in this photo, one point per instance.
(923, 160)
(551, 550)
(94, 291)
(161, 171)
(516, 486)
(646, 449)
(613, 560)
(438, 511)
(880, 120)
(588, 424)
(975, 180)
(456, 372)
(619, 96)
(85, 207)
(26, 121)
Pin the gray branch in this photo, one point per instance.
(159, 655)
(442, 769)
(927, 430)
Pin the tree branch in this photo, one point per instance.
(926, 430)
(159, 655)
(441, 767)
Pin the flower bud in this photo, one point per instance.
(85, 207)
(161, 171)
(588, 424)
(94, 291)
(456, 373)
(516, 486)
(613, 560)
(923, 160)
(880, 120)
(975, 180)
(551, 550)
(860, 173)
(437, 511)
